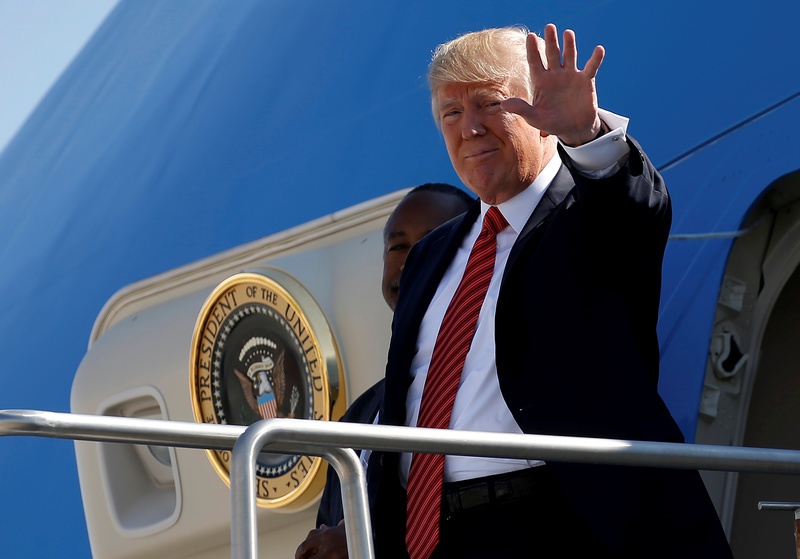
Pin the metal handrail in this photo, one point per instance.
(327, 439)
(321, 434)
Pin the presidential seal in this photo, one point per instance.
(262, 348)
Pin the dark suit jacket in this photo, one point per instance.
(576, 353)
(362, 410)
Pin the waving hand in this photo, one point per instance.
(564, 97)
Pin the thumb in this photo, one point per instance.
(517, 106)
(524, 109)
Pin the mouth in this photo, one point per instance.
(480, 154)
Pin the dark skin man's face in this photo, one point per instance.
(414, 217)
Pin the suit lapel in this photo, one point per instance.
(561, 185)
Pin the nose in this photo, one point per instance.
(471, 125)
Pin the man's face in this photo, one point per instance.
(414, 217)
(495, 153)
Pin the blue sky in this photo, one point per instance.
(38, 39)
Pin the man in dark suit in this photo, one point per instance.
(564, 342)
(422, 209)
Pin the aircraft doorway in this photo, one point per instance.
(772, 422)
(751, 394)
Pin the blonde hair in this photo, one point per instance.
(489, 56)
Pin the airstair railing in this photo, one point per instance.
(328, 439)
(321, 434)
(795, 508)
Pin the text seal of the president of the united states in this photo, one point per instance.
(262, 348)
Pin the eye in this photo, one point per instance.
(451, 115)
(397, 246)
(492, 106)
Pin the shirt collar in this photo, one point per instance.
(518, 209)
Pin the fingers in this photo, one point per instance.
(309, 546)
(305, 550)
(570, 50)
(552, 50)
(568, 59)
(593, 64)
(534, 57)
(324, 543)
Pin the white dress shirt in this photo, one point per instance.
(479, 404)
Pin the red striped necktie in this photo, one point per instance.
(426, 476)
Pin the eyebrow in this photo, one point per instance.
(447, 103)
(393, 234)
(476, 93)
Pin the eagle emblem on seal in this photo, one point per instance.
(264, 382)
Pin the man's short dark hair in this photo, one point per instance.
(444, 188)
